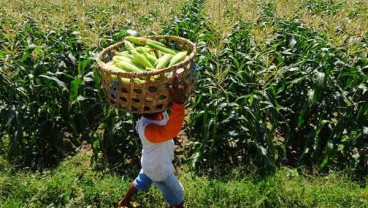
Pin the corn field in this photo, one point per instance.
(279, 82)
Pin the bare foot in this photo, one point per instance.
(122, 204)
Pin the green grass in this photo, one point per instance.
(75, 184)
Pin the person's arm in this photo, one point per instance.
(157, 134)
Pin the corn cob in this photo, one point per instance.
(163, 61)
(149, 69)
(136, 40)
(146, 52)
(150, 50)
(140, 49)
(129, 46)
(150, 58)
(124, 54)
(143, 41)
(125, 80)
(154, 44)
(124, 59)
(110, 66)
(126, 66)
(141, 59)
(178, 58)
(155, 77)
(113, 77)
(158, 53)
(149, 99)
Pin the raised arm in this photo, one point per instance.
(156, 133)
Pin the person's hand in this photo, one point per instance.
(178, 89)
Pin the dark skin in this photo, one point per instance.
(177, 91)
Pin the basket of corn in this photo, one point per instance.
(137, 72)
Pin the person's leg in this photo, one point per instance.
(141, 183)
(181, 205)
(131, 192)
(172, 190)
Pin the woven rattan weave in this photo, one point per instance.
(147, 92)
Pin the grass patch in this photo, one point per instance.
(75, 184)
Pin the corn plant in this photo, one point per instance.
(50, 101)
(323, 92)
(293, 109)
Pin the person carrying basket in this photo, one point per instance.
(156, 132)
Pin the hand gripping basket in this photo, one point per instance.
(147, 92)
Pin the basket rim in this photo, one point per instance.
(147, 73)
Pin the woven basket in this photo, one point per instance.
(153, 94)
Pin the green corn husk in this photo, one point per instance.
(129, 46)
(149, 99)
(111, 66)
(163, 61)
(124, 54)
(154, 44)
(136, 40)
(178, 57)
(126, 66)
(149, 69)
(155, 78)
(158, 53)
(140, 49)
(151, 51)
(141, 59)
(124, 59)
(150, 58)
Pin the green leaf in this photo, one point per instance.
(74, 86)
(82, 65)
(24, 56)
(251, 99)
(72, 59)
(301, 118)
(324, 162)
(55, 79)
(38, 51)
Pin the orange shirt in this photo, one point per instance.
(157, 134)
